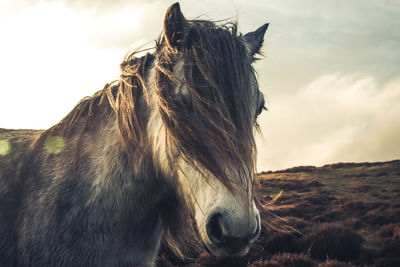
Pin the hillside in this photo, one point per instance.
(344, 214)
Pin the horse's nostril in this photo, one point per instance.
(214, 229)
(233, 237)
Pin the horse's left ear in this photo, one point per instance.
(254, 40)
(176, 27)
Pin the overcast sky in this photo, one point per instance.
(330, 75)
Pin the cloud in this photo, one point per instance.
(336, 117)
(319, 37)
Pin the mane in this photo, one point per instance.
(119, 96)
(215, 125)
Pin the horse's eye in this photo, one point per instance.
(187, 104)
(260, 108)
(183, 104)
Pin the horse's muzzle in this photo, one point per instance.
(231, 236)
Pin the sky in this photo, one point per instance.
(330, 72)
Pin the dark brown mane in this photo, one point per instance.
(127, 100)
(215, 125)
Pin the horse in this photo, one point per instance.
(166, 149)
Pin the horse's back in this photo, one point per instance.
(15, 152)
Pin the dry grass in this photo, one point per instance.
(346, 214)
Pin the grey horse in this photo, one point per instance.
(170, 143)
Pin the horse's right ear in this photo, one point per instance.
(254, 40)
(176, 27)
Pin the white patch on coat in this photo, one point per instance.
(156, 130)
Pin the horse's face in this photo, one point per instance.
(204, 136)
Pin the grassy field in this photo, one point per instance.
(345, 214)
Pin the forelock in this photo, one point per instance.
(216, 124)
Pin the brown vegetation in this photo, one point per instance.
(345, 214)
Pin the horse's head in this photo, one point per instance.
(202, 122)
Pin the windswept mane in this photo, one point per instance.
(119, 96)
(216, 119)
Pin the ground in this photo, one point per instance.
(344, 214)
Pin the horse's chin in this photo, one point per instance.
(223, 253)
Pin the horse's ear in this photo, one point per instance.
(176, 27)
(254, 40)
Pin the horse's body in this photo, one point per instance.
(102, 187)
(98, 208)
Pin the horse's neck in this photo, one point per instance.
(109, 168)
(101, 145)
(100, 149)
